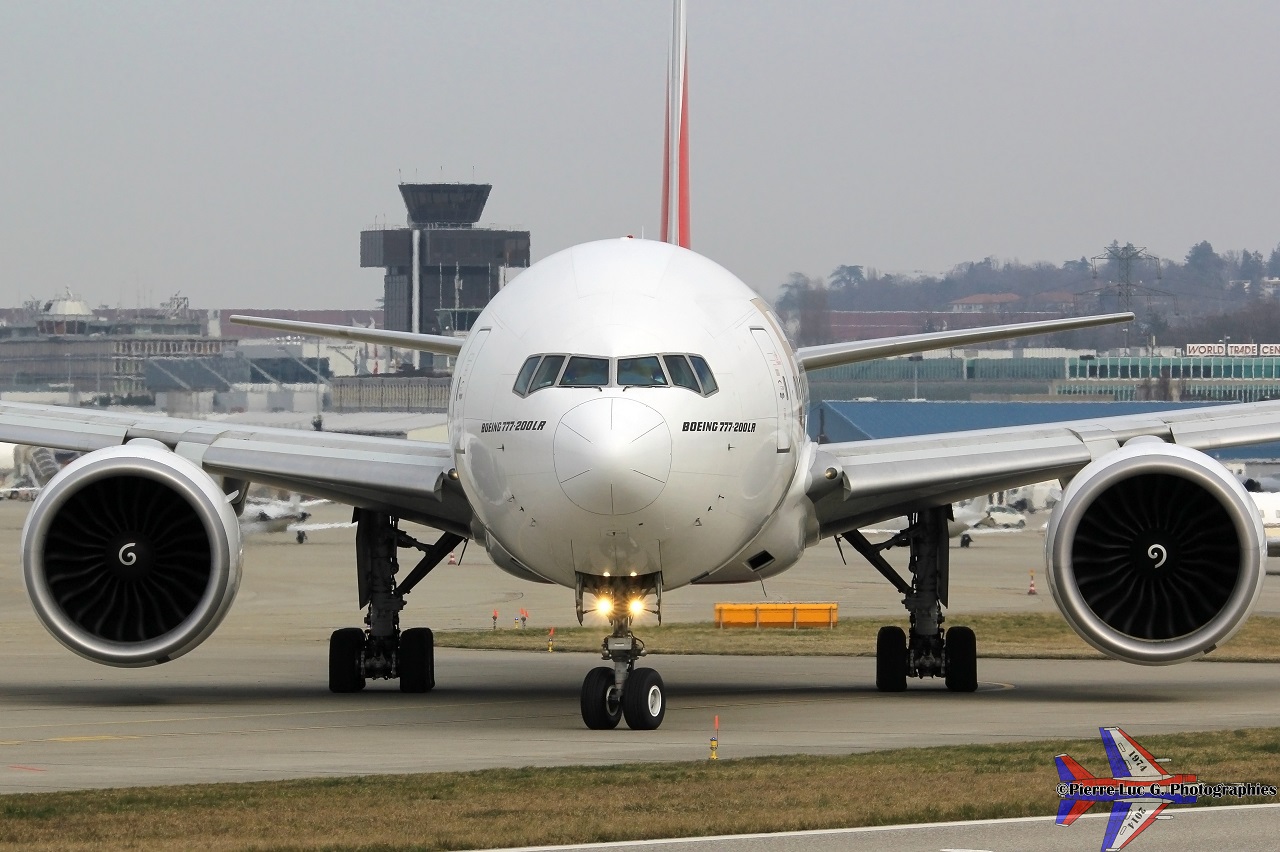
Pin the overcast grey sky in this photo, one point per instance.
(234, 150)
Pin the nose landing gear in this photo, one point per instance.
(622, 691)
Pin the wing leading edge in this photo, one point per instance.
(437, 343)
(406, 478)
(854, 351)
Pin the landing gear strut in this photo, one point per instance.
(381, 649)
(927, 650)
(622, 691)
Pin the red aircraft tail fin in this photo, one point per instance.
(1069, 770)
(675, 145)
(1069, 810)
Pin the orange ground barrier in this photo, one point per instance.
(786, 615)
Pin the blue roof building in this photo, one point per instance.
(860, 421)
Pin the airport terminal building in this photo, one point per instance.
(1039, 374)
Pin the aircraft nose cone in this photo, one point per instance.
(612, 455)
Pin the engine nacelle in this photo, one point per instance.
(131, 555)
(1156, 553)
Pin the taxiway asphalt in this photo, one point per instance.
(252, 702)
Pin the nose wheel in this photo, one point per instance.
(641, 699)
(622, 691)
(644, 703)
(601, 700)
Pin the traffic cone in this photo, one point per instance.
(1032, 589)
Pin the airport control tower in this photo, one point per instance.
(441, 270)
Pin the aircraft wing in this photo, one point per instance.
(854, 351)
(406, 478)
(1127, 758)
(438, 343)
(1129, 818)
(882, 478)
(1070, 810)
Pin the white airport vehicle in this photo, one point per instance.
(627, 418)
(1003, 518)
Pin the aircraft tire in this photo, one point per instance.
(891, 659)
(960, 657)
(644, 700)
(417, 660)
(598, 713)
(346, 647)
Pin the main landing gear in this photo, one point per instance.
(928, 651)
(622, 691)
(381, 649)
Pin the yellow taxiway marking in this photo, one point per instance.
(92, 739)
(85, 739)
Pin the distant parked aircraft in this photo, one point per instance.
(262, 516)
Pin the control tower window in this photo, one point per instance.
(526, 375)
(700, 367)
(547, 372)
(645, 371)
(585, 372)
(681, 373)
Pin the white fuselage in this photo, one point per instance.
(618, 479)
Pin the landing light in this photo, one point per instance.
(636, 607)
(604, 606)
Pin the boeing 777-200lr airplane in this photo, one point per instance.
(626, 418)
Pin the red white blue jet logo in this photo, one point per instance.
(1138, 789)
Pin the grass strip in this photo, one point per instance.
(536, 806)
(1000, 635)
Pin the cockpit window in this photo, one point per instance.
(709, 385)
(526, 374)
(547, 372)
(681, 374)
(585, 372)
(645, 371)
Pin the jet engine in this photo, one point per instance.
(1156, 553)
(131, 555)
